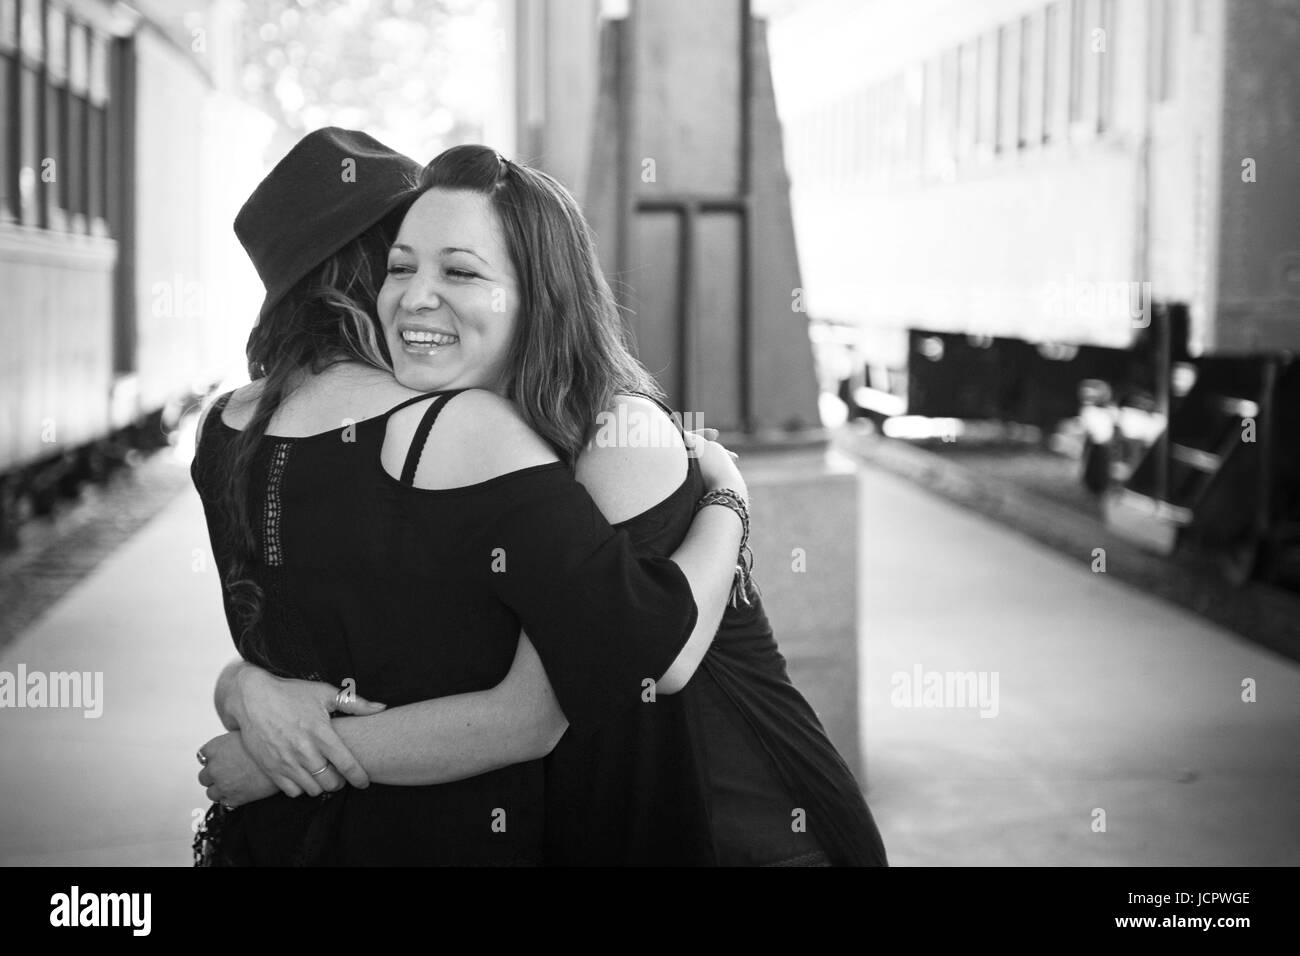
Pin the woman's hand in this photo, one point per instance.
(286, 730)
(230, 775)
(717, 465)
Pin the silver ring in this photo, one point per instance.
(343, 698)
(317, 773)
(203, 758)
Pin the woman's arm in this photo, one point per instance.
(628, 474)
(450, 738)
(226, 696)
(430, 742)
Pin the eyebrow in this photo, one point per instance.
(403, 247)
(470, 251)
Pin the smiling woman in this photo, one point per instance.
(449, 303)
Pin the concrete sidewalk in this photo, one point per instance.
(1109, 701)
(119, 789)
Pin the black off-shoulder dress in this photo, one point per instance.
(416, 594)
(734, 770)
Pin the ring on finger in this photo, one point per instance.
(317, 773)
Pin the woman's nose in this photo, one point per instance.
(421, 294)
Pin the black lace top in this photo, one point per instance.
(417, 594)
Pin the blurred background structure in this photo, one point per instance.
(997, 298)
(1054, 217)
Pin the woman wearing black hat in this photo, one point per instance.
(401, 560)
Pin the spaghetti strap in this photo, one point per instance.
(411, 401)
(422, 433)
(675, 418)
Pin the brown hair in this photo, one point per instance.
(327, 317)
(570, 353)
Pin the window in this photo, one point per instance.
(1056, 70)
(1091, 45)
(1032, 79)
(8, 110)
(813, 127)
(1106, 65)
(848, 137)
(1077, 45)
(914, 84)
(75, 132)
(930, 119)
(97, 135)
(32, 50)
(1163, 24)
(888, 132)
(949, 112)
(967, 100)
(854, 134)
(896, 103)
(987, 119)
(826, 143)
(56, 167)
(1009, 58)
(873, 134)
(833, 137)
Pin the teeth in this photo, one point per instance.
(415, 337)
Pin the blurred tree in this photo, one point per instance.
(410, 72)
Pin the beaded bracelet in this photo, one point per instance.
(744, 568)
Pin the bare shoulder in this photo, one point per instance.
(242, 404)
(341, 394)
(478, 436)
(635, 459)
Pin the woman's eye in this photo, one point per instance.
(396, 267)
(462, 273)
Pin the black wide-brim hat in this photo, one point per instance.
(328, 190)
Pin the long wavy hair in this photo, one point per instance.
(327, 317)
(570, 353)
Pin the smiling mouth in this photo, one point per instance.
(426, 341)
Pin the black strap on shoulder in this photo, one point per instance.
(422, 433)
(667, 409)
(423, 396)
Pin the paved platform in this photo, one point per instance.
(1108, 700)
(119, 789)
